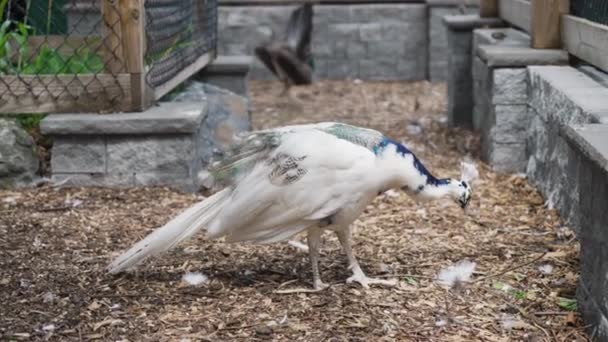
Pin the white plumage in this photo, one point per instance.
(278, 183)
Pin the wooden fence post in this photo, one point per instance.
(132, 22)
(112, 37)
(488, 8)
(546, 23)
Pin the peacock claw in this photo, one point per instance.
(320, 286)
(366, 282)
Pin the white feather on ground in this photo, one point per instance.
(456, 274)
(298, 245)
(195, 278)
(545, 269)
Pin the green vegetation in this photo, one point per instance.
(16, 58)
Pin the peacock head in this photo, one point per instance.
(458, 190)
(464, 194)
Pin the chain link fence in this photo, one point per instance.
(53, 56)
(178, 33)
(594, 10)
(77, 55)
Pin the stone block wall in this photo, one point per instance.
(588, 169)
(500, 111)
(559, 96)
(500, 84)
(372, 41)
(167, 145)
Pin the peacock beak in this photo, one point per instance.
(464, 201)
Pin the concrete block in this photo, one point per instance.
(149, 154)
(384, 48)
(79, 154)
(510, 124)
(508, 158)
(356, 50)
(378, 69)
(510, 86)
(385, 31)
(344, 31)
(513, 56)
(388, 13)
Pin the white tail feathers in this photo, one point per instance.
(175, 231)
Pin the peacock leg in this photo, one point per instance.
(344, 235)
(314, 240)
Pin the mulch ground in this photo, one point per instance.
(55, 243)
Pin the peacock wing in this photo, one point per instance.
(310, 176)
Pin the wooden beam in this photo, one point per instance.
(586, 40)
(132, 22)
(517, 13)
(112, 37)
(488, 8)
(65, 93)
(184, 74)
(546, 27)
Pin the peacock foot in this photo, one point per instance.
(320, 286)
(366, 282)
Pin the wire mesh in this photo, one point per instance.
(594, 10)
(54, 55)
(178, 32)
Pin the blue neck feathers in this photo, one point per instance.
(402, 150)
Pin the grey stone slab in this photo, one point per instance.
(500, 36)
(591, 140)
(468, 22)
(508, 158)
(150, 154)
(510, 86)
(165, 118)
(78, 154)
(513, 56)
